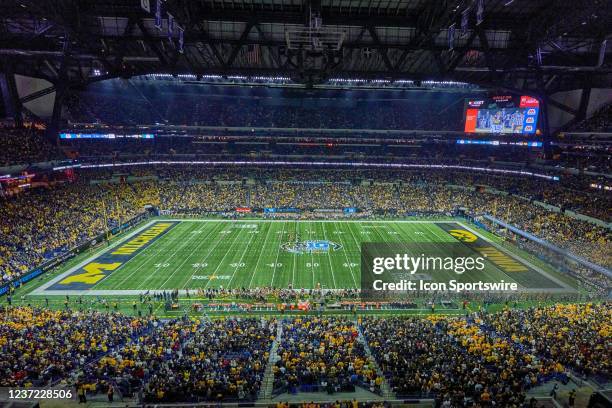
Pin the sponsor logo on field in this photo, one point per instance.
(311, 246)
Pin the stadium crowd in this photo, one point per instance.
(41, 223)
(184, 360)
(25, 146)
(577, 335)
(39, 346)
(480, 359)
(454, 361)
(322, 354)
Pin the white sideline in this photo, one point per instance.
(42, 288)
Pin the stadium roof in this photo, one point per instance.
(519, 44)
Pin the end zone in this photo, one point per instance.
(90, 272)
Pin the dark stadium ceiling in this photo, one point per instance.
(537, 45)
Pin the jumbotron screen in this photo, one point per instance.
(502, 114)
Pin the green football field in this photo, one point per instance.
(190, 254)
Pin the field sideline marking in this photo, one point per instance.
(136, 269)
(526, 262)
(40, 290)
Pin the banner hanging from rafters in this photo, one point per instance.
(158, 14)
(145, 5)
(181, 38)
(479, 12)
(170, 26)
(465, 18)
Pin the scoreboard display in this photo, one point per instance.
(502, 114)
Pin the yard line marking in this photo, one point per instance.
(149, 248)
(277, 254)
(331, 265)
(260, 255)
(294, 260)
(344, 250)
(358, 247)
(221, 261)
(246, 247)
(213, 229)
(210, 251)
(176, 252)
(312, 262)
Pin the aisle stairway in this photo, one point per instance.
(385, 387)
(267, 383)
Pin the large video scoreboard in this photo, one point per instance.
(502, 114)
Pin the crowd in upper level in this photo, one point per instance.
(25, 147)
(39, 224)
(601, 121)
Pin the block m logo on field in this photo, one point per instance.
(94, 272)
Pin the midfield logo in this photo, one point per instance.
(316, 246)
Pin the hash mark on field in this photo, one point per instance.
(184, 261)
(203, 259)
(221, 261)
(260, 254)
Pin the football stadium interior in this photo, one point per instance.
(305, 203)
